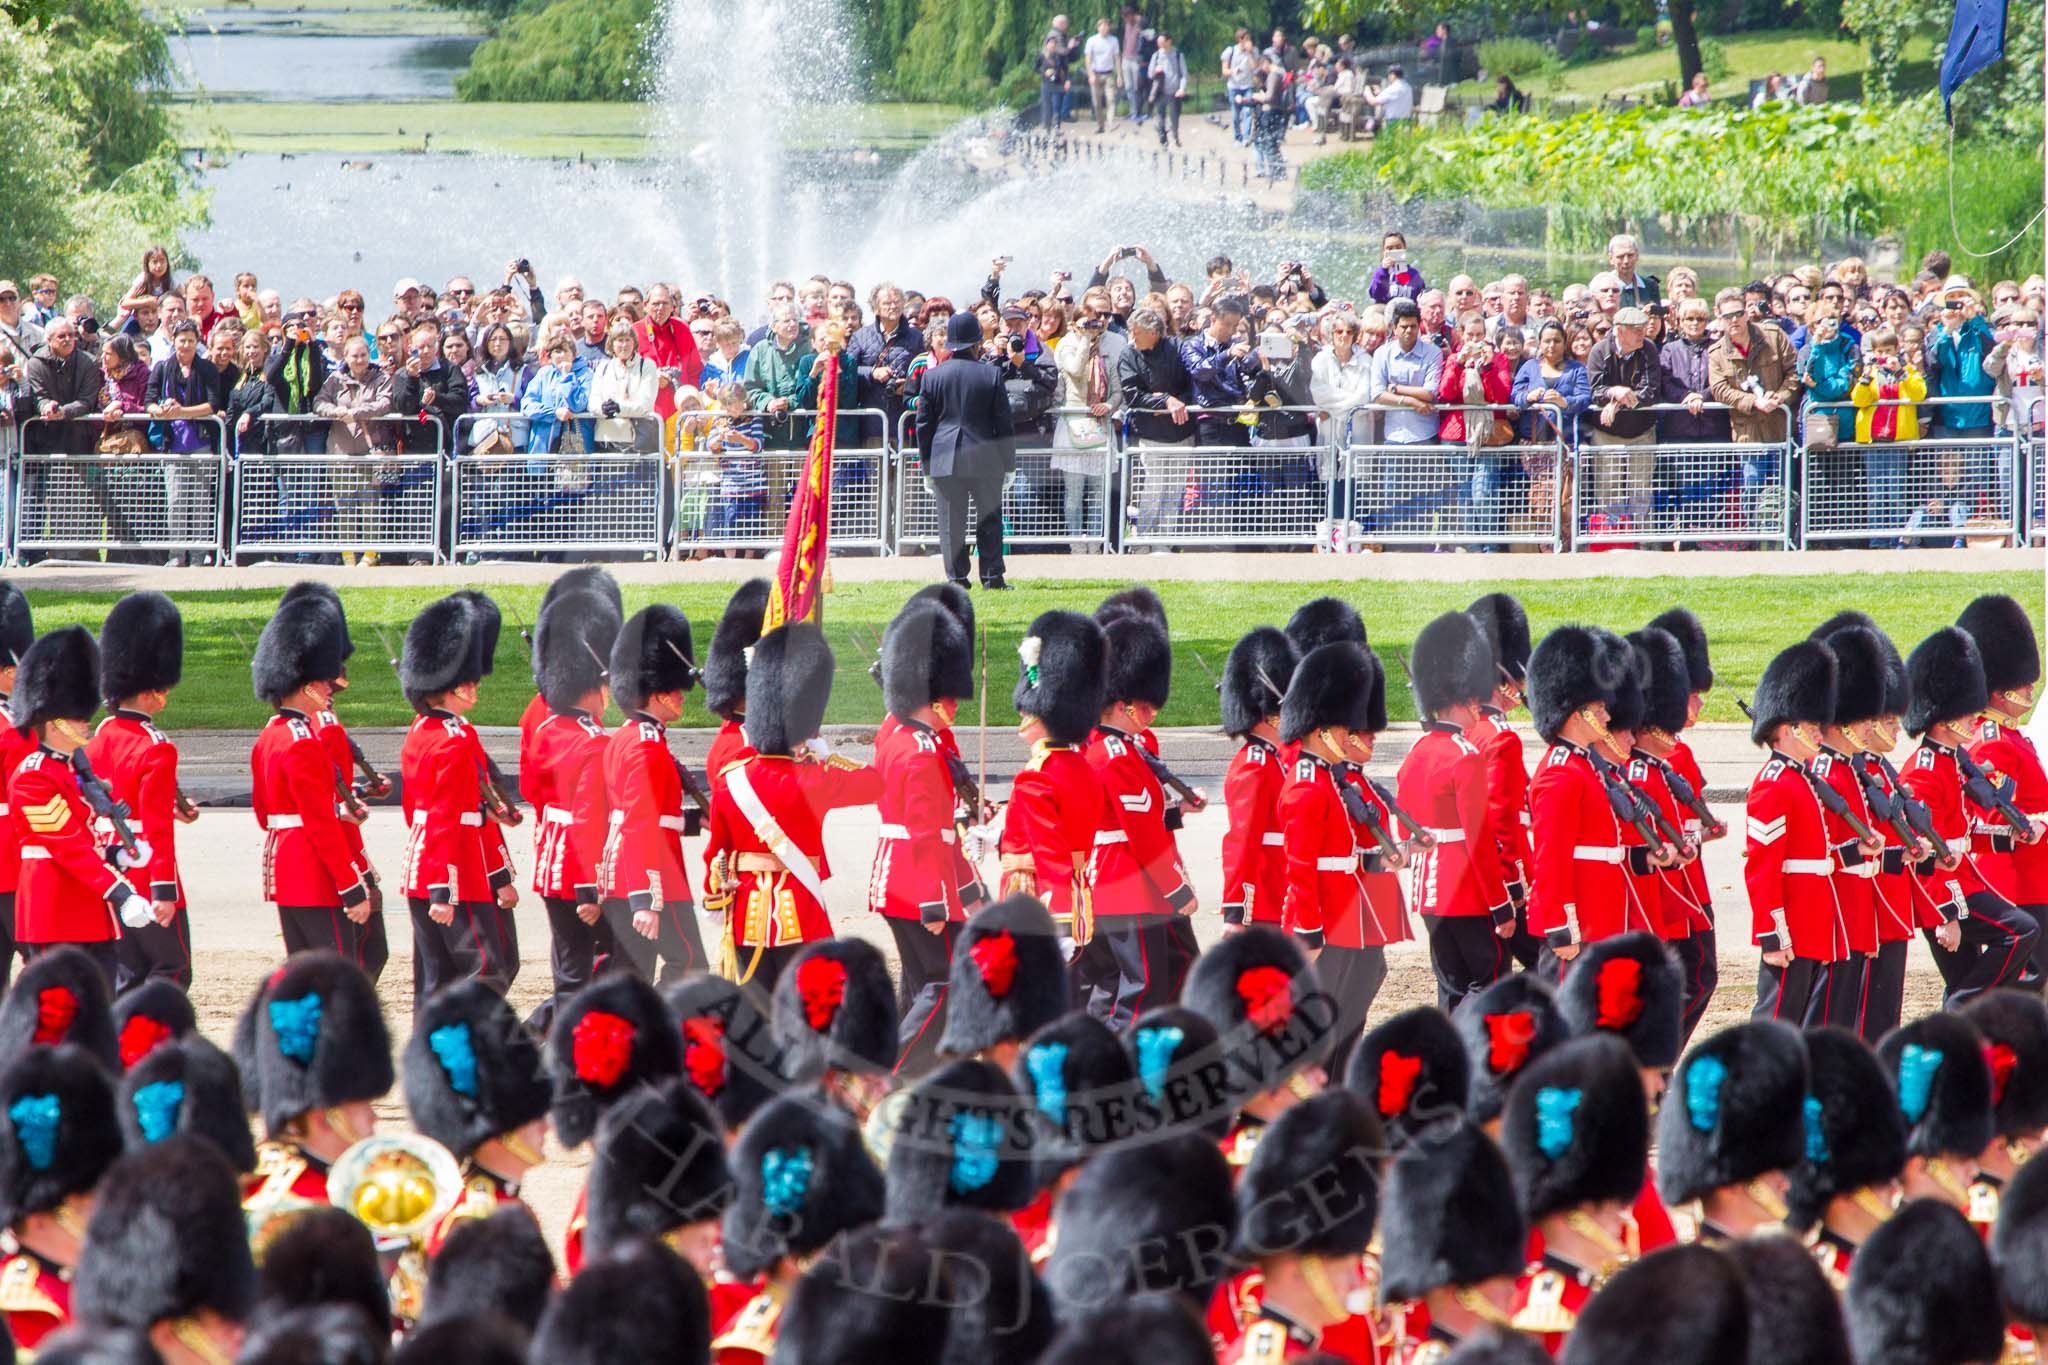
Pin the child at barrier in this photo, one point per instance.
(735, 436)
(1885, 378)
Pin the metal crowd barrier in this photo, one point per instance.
(1681, 492)
(299, 502)
(1924, 492)
(152, 502)
(1257, 494)
(1058, 497)
(2034, 469)
(1426, 493)
(740, 501)
(516, 502)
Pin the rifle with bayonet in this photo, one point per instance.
(1682, 792)
(1888, 806)
(1920, 819)
(103, 804)
(1834, 802)
(1989, 796)
(1628, 804)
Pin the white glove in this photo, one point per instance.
(979, 841)
(139, 858)
(818, 747)
(135, 912)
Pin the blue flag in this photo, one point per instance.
(1975, 40)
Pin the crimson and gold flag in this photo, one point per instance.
(801, 578)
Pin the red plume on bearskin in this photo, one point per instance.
(1508, 1037)
(1268, 995)
(995, 957)
(1621, 992)
(704, 1054)
(1398, 1075)
(821, 982)
(603, 1048)
(2002, 1060)
(56, 1011)
(140, 1036)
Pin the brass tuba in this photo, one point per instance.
(401, 1185)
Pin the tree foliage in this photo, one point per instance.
(1884, 26)
(567, 50)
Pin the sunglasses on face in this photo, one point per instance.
(10, 297)
(1732, 316)
(390, 336)
(355, 307)
(461, 293)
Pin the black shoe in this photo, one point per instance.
(959, 583)
(996, 584)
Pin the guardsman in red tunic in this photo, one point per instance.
(1859, 701)
(458, 884)
(1055, 806)
(70, 890)
(1856, 1138)
(659, 1170)
(1455, 881)
(1506, 627)
(767, 836)
(914, 885)
(2015, 868)
(1663, 684)
(474, 1083)
(585, 581)
(725, 673)
(1668, 751)
(317, 1057)
(1453, 1241)
(142, 653)
(1983, 940)
(2015, 1028)
(1732, 1128)
(801, 1177)
(1138, 883)
(314, 870)
(57, 1110)
(17, 633)
(1342, 900)
(1255, 678)
(1579, 893)
(1576, 1133)
(561, 771)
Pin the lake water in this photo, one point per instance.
(287, 66)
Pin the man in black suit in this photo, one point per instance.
(967, 443)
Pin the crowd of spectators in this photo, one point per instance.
(1652, 378)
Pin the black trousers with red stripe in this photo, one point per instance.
(1699, 975)
(1124, 970)
(573, 951)
(1353, 977)
(927, 960)
(1794, 994)
(163, 950)
(1884, 991)
(677, 947)
(306, 927)
(1845, 992)
(483, 942)
(1469, 955)
(103, 954)
(1997, 948)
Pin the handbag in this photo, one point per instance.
(1501, 433)
(124, 440)
(1823, 429)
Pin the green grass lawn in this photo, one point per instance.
(1750, 57)
(1748, 619)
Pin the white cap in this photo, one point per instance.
(398, 291)
(1958, 284)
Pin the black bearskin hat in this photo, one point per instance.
(960, 1138)
(1922, 1292)
(1577, 1128)
(157, 1011)
(1312, 1186)
(1449, 1216)
(1255, 678)
(1140, 661)
(1498, 1346)
(1855, 1135)
(1692, 638)
(17, 625)
(1506, 627)
(952, 597)
(324, 1334)
(835, 1010)
(1335, 684)
(730, 1057)
(142, 646)
(324, 1255)
(725, 663)
(167, 1239)
(1260, 993)
(1795, 1316)
(591, 578)
(1628, 985)
(927, 656)
(58, 1133)
(1944, 680)
(1573, 667)
(2005, 641)
(1064, 675)
(497, 1266)
(1412, 1070)
(1798, 687)
(1325, 620)
(1149, 1217)
(472, 1071)
(490, 623)
(870, 1301)
(58, 679)
(642, 1303)
(1684, 1305)
(1137, 600)
(1735, 1111)
(789, 684)
(1144, 1329)
(1183, 1077)
(611, 1038)
(659, 1165)
(801, 1176)
(1008, 977)
(305, 641)
(441, 650)
(1002, 1314)
(1625, 704)
(652, 654)
(1506, 1027)
(1078, 1081)
(1667, 686)
(1938, 1067)
(2019, 1244)
(319, 1038)
(1453, 662)
(1861, 674)
(187, 1086)
(2015, 1028)
(572, 647)
(60, 997)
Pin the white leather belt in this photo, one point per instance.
(1349, 863)
(474, 818)
(34, 851)
(1110, 836)
(1448, 836)
(285, 822)
(5, 809)
(1274, 840)
(674, 822)
(1526, 821)
(1597, 853)
(1809, 867)
(903, 832)
(1864, 869)
(555, 815)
